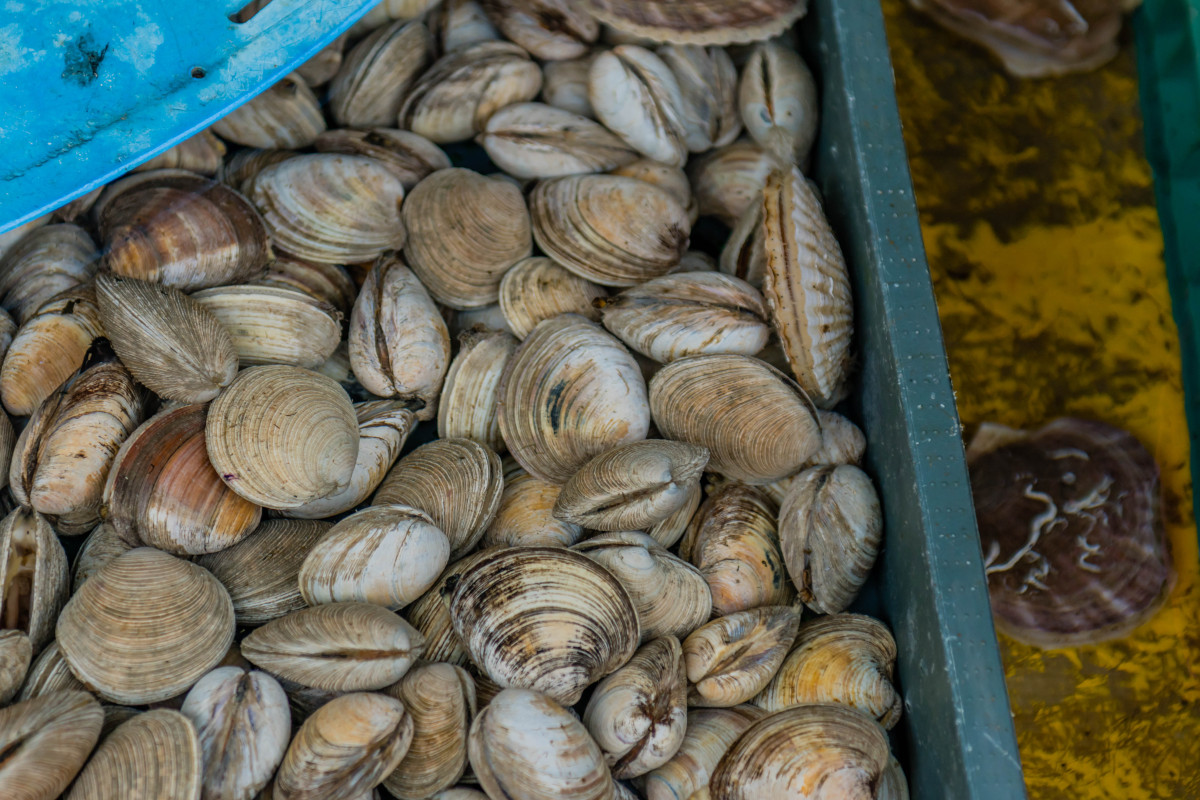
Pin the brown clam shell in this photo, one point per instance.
(153, 754)
(45, 742)
(708, 22)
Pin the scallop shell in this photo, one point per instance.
(440, 698)
(328, 283)
(551, 30)
(288, 115)
(778, 100)
(728, 180)
(685, 22)
(202, 154)
(710, 732)
(635, 94)
(525, 517)
(283, 436)
(744, 254)
(708, 87)
(15, 654)
(410, 157)
(470, 393)
(537, 289)
(274, 325)
(430, 614)
(565, 85)
(45, 742)
(377, 72)
(33, 576)
(44, 263)
(670, 179)
(48, 674)
(534, 140)
(734, 657)
(544, 618)
(570, 392)
(456, 24)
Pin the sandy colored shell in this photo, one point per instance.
(571, 392)
(153, 754)
(288, 115)
(756, 423)
(340, 646)
(687, 22)
(534, 140)
(8, 329)
(893, 785)
(283, 436)
(670, 530)
(734, 657)
(710, 732)
(409, 156)
(440, 699)
(430, 614)
(145, 627)
(708, 88)
(16, 652)
(273, 324)
(744, 254)
(565, 85)
(778, 101)
(841, 658)
(551, 30)
(377, 72)
(102, 545)
(671, 179)
(45, 742)
(202, 154)
(48, 673)
(465, 231)
(537, 288)
(388, 10)
(321, 68)
(807, 287)
(544, 618)
(525, 517)
(45, 262)
(456, 24)
(239, 169)
(33, 576)
(387, 555)
(728, 180)
(635, 94)
(328, 283)
(470, 393)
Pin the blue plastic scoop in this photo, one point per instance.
(89, 89)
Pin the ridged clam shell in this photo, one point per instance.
(892, 785)
(45, 742)
(340, 646)
(728, 180)
(525, 517)
(283, 436)
(102, 545)
(778, 100)
(201, 154)
(440, 698)
(756, 423)
(48, 673)
(136, 181)
(526, 743)
(635, 94)
(321, 68)
(489, 317)
(163, 491)
(708, 87)
(685, 22)
(288, 115)
(456, 24)
(377, 72)
(744, 254)
(544, 618)
(274, 325)
(239, 169)
(9, 238)
(534, 140)
(830, 530)
(387, 555)
(570, 392)
(710, 732)
(33, 576)
(328, 283)
(565, 85)
(470, 393)
(399, 345)
(609, 229)
(45, 262)
(430, 614)
(16, 653)
(410, 157)
(638, 714)
(670, 179)
(153, 754)
(537, 288)
(807, 287)
(457, 482)
(840, 658)
(551, 30)
(734, 657)
(671, 529)
(465, 230)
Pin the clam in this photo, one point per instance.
(609, 229)
(689, 314)
(734, 543)
(274, 325)
(459, 793)
(383, 427)
(525, 517)
(710, 732)
(842, 442)
(708, 87)
(778, 101)
(570, 392)
(239, 169)
(243, 724)
(892, 785)
(152, 754)
(638, 714)
(340, 646)
(632, 486)
(48, 348)
(728, 180)
(841, 658)
(551, 30)
(734, 657)
(670, 595)
(45, 742)
(830, 530)
(101, 546)
(430, 614)
(399, 345)
(304, 700)
(145, 627)
(346, 748)
(457, 482)
(537, 288)
(670, 529)
(163, 492)
(49, 673)
(635, 94)
(71, 212)
(810, 753)
(288, 115)
(410, 157)
(260, 572)
(465, 230)
(173, 345)
(524, 744)
(670, 179)
(534, 140)
(331, 208)
(386, 11)
(8, 329)
(440, 699)
(15, 654)
(544, 618)
(10, 238)
(377, 72)
(33, 576)
(744, 254)
(456, 24)
(320, 68)
(565, 85)
(756, 423)
(684, 22)
(455, 97)
(695, 261)
(137, 181)
(328, 283)
(807, 287)
(283, 436)
(44, 263)
(387, 555)
(202, 154)
(470, 393)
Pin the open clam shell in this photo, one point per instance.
(778, 100)
(45, 742)
(734, 657)
(288, 115)
(534, 140)
(685, 22)
(46, 262)
(33, 576)
(371, 83)
(525, 517)
(470, 393)
(551, 30)
(274, 324)
(710, 732)
(440, 699)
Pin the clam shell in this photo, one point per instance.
(399, 345)
(101, 546)
(387, 555)
(744, 254)
(456, 24)
(544, 618)
(33, 576)
(609, 229)
(635, 94)
(44, 263)
(410, 157)
(685, 22)
(465, 230)
(260, 572)
(670, 530)
(239, 169)
(243, 725)
(145, 627)
(340, 646)
(153, 754)
(841, 658)
(8, 329)
(570, 392)
(807, 287)
(536, 289)
(288, 115)
(534, 140)
(345, 748)
(672, 180)
(470, 393)
(9, 238)
(638, 714)
(321, 68)
(708, 83)
(456, 482)
(48, 674)
(778, 101)
(274, 325)
(710, 732)
(734, 657)
(15, 654)
(565, 85)
(830, 529)
(807, 753)
(328, 283)
(201, 154)
(488, 317)
(283, 436)
(430, 614)
(728, 180)
(376, 74)
(386, 11)
(163, 491)
(45, 742)
(551, 30)
(756, 423)
(527, 743)
(525, 517)
(440, 699)
(892, 785)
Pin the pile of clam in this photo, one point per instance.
(591, 583)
